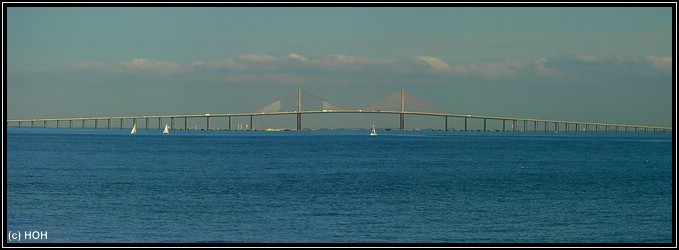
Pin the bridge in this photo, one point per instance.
(400, 103)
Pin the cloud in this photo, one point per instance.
(141, 64)
(495, 70)
(295, 68)
(655, 62)
(297, 57)
(257, 58)
(461, 70)
(88, 65)
(644, 65)
(292, 63)
(435, 64)
(543, 70)
(340, 62)
(661, 63)
(588, 59)
(277, 78)
(227, 64)
(344, 59)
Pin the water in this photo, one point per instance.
(85, 185)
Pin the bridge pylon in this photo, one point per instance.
(396, 102)
(294, 104)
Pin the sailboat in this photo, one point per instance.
(134, 129)
(372, 132)
(166, 130)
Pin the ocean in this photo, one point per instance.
(107, 186)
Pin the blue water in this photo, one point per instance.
(86, 185)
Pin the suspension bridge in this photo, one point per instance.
(301, 103)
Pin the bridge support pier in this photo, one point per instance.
(299, 121)
(535, 126)
(172, 123)
(403, 109)
(229, 122)
(299, 109)
(446, 126)
(402, 125)
(465, 124)
(208, 123)
(186, 123)
(485, 128)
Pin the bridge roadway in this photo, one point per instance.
(545, 122)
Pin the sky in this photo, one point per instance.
(595, 64)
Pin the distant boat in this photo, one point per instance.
(134, 129)
(166, 130)
(372, 132)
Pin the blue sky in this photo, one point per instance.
(603, 64)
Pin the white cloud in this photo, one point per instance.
(343, 58)
(655, 62)
(434, 63)
(297, 57)
(228, 64)
(661, 63)
(492, 70)
(295, 68)
(88, 65)
(542, 70)
(349, 62)
(150, 65)
(510, 70)
(461, 70)
(274, 78)
(588, 59)
(257, 58)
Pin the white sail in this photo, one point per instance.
(166, 130)
(134, 129)
(373, 131)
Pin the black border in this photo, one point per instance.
(6, 5)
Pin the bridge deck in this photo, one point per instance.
(466, 116)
